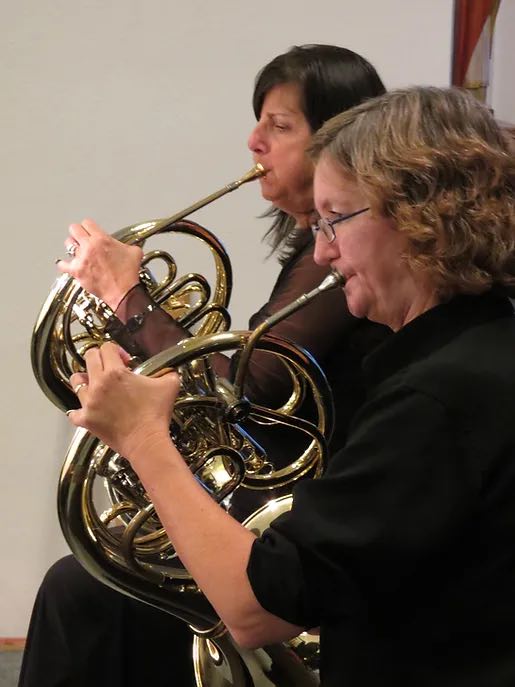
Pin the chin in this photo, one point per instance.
(356, 312)
(356, 306)
(269, 190)
(265, 190)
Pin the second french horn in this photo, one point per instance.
(221, 432)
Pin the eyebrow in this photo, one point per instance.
(282, 113)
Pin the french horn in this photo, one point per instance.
(123, 544)
(115, 532)
(71, 319)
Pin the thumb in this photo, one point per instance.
(169, 378)
(76, 417)
(168, 383)
(63, 266)
(126, 357)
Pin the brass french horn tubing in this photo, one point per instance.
(160, 225)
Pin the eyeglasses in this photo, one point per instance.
(326, 226)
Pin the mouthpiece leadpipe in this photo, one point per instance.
(155, 227)
(332, 280)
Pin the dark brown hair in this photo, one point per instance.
(330, 79)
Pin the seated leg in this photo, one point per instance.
(83, 633)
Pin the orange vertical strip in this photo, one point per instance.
(469, 19)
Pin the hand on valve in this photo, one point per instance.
(127, 411)
(101, 264)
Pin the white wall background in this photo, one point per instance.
(501, 95)
(127, 110)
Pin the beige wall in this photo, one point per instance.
(502, 91)
(126, 110)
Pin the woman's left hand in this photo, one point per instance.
(125, 410)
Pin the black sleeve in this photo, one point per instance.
(395, 495)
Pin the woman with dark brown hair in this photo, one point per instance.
(83, 633)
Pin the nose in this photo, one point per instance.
(325, 252)
(256, 141)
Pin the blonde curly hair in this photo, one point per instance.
(436, 162)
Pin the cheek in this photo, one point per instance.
(300, 171)
(292, 155)
(377, 282)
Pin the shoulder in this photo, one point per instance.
(467, 385)
(480, 358)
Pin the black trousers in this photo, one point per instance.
(84, 634)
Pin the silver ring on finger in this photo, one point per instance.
(77, 388)
(72, 249)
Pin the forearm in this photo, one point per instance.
(158, 329)
(214, 547)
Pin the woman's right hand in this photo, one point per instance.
(102, 265)
(127, 411)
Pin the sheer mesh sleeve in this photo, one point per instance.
(158, 330)
(317, 327)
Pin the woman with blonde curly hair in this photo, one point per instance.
(403, 552)
(436, 165)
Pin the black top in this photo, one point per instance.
(404, 552)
